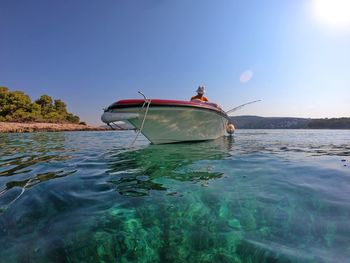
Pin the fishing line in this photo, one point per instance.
(241, 106)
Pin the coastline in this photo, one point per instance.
(20, 127)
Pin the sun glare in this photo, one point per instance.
(334, 13)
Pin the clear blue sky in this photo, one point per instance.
(91, 53)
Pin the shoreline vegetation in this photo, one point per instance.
(18, 113)
(17, 127)
(16, 106)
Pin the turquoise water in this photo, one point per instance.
(260, 196)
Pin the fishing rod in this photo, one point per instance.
(241, 106)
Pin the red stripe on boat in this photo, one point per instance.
(168, 103)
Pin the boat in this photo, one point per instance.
(171, 121)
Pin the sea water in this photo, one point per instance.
(259, 196)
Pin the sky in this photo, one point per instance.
(293, 55)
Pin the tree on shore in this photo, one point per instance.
(16, 106)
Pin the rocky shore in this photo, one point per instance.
(10, 127)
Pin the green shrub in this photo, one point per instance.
(18, 107)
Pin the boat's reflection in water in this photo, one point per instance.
(136, 172)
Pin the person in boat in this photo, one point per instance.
(200, 95)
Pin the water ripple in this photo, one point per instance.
(262, 196)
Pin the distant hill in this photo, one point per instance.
(256, 122)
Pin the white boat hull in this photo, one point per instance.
(175, 124)
(108, 117)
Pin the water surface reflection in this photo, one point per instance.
(138, 172)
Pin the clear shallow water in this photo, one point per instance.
(262, 196)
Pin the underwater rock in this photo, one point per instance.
(234, 223)
(264, 231)
(223, 210)
(248, 220)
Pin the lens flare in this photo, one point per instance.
(246, 76)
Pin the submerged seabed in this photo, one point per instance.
(262, 196)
